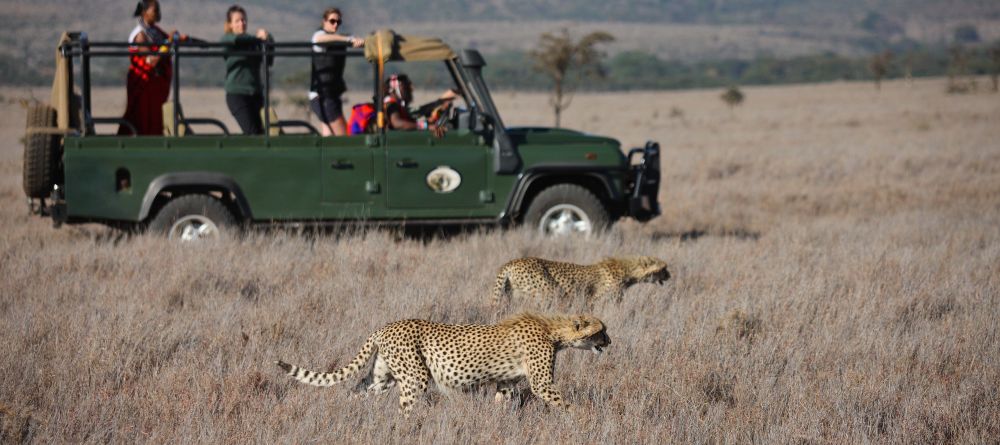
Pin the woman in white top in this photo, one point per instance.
(327, 79)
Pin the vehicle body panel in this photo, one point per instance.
(412, 156)
(280, 178)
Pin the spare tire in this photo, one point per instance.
(41, 151)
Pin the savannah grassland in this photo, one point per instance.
(836, 262)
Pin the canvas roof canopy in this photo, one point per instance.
(386, 45)
(60, 86)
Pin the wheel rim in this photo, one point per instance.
(565, 219)
(193, 228)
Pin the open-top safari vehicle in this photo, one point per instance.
(191, 186)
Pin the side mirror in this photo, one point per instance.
(478, 122)
(470, 119)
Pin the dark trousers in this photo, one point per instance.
(246, 110)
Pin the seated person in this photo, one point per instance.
(399, 93)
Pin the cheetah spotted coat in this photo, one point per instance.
(545, 279)
(412, 352)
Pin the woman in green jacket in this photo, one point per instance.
(244, 95)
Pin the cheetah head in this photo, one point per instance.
(585, 332)
(647, 269)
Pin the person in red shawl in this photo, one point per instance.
(148, 81)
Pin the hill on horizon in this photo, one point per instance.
(683, 30)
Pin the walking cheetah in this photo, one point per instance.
(461, 356)
(540, 278)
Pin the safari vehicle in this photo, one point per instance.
(190, 186)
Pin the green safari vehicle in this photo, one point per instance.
(191, 186)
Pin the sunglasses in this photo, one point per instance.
(333, 21)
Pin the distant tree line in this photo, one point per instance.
(636, 70)
(794, 12)
(630, 70)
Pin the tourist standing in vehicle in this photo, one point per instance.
(244, 94)
(399, 94)
(327, 79)
(148, 81)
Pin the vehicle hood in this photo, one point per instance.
(556, 136)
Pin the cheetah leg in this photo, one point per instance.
(382, 378)
(617, 295)
(605, 294)
(548, 392)
(412, 375)
(505, 389)
(540, 372)
(409, 389)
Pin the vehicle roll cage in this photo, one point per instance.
(79, 46)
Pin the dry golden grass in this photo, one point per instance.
(836, 263)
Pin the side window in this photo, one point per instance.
(430, 80)
(435, 97)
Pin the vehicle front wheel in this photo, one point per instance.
(567, 209)
(193, 218)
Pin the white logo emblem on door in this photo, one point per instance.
(443, 179)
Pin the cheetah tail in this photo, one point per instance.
(331, 378)
(502, 289)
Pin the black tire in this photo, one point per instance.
(41, 152)
(567, 209)
(193, 218)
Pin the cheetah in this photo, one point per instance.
(459, 357)
(541, 278)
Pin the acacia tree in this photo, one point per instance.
(879, 66)
(732, 97)
(958, 67)
(995, 68)
(566, 62)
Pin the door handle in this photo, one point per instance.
(341, 165)
(406, 163)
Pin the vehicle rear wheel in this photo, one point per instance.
(41, 152)
(567, 209)
(193, 218)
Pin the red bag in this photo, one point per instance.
(362, 116)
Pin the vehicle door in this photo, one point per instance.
(426, 172)
(349, 189)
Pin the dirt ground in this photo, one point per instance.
(834, 252)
